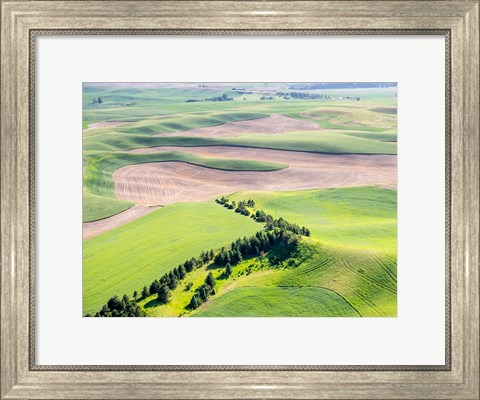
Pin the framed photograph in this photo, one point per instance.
(218, 199)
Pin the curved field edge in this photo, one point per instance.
(97, 207)
(99, 200)
(352, 217)
(330, 142)
(365, 276)
(131, 256)
(366, 281)
(176, 123)
(278, 302)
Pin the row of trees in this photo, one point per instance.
(254, 246)
(161, 287)
(271, 223)
(223, 97)
(303, 95)
(240, 208)
(278, 232)
(170, 280)
(261, 216)
(203, 292)
(116, 307)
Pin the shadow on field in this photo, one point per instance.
(152, 303)
(214, 266)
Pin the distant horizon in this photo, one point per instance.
(299, 85)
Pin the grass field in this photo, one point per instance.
(367, 279)
(150, 103)
(360, 217)
(345, 267)
(353, 245)
(96, 207)
(350, 127)
(279, 302)
(328, 141)
(362, 277)
(127, 258)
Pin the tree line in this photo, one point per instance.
(169, 281)
(254, 246)
(203, 292)
(277, 232)
(116, 307)
(303, 95)
(242, 207)
(161, 287)
(223, 97)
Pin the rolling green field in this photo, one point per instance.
(349, 128)
(359, 217)
(364, 277)
(352, 248)
(96, 207)
(345, 266)
(279, 302)
(336, 142)
(127, 258)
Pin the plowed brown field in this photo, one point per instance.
(274, 124)
(172, 182)
(107, 124)
(91, 229)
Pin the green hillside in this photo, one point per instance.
(279, 302)
(127, 258)
(357, 265)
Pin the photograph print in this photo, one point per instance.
(251, 199)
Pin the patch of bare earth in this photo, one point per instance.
(173, 182)
(91, 229)
(274, 124)
(106, 124)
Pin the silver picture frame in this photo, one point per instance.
(23, 22)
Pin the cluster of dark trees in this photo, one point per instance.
(97, 100)
(272, 223)
(203, 292)
(302, 95)
(161, 287)
(267, 98)
(240, 208)
(262, 216)
(223, 97)
(278, 232)
(119, 308)
(170, 280)
(254, 246)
